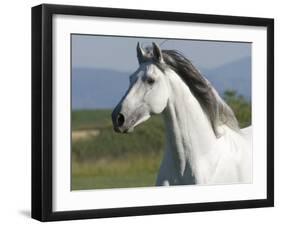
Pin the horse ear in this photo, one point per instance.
(140, 53)
(157, 53)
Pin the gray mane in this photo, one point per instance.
(216, 109)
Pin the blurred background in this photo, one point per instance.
(101, 66)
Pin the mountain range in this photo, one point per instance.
(103, 88)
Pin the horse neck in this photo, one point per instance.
(189, 132)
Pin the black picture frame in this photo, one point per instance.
(42, 106)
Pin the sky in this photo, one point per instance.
(119, 53)
(101, 66)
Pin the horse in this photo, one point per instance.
(204, 143)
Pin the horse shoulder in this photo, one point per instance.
(235, 155)
(247, 133)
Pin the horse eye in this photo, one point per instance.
(150, 81)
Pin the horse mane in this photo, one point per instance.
(216, 109)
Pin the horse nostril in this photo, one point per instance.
(120, 119)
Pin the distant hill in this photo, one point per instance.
(232, 76)
(97, 88)
(102, 88)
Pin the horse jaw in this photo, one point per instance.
(141, 120)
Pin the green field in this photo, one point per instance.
(102, 158)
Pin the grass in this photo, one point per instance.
(89, 119)
(112, 160)
(113, 181)
(148, 138)
(132, 171)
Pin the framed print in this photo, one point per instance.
(146, 112)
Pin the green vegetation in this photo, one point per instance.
(241, 108)
(102, 158)
(131, 171)
(147, 139)
(86, 119)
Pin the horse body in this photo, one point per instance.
(193, 154)
(204, 144)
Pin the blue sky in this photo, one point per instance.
(102, 66)
(119, 53)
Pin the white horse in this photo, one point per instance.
(204, 144)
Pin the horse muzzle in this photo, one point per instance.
(121, 123)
